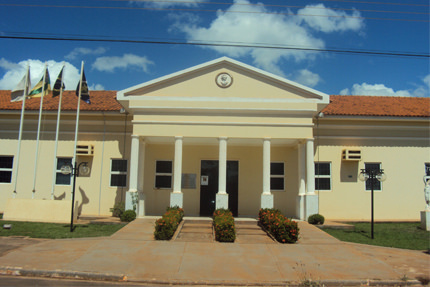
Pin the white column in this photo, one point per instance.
(134, 171)
(140, 179)
(222, 196)
(300, 203)
(222, 175)
(311, 198)
(176, 197)
(266, 196)
(310, 167)
(266, 166)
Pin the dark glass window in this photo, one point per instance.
(6, 166)
(376, 183)
(322, 176)
(118, 173)
(163, 174)
(427, 169)
(277, 176)
(63, 179)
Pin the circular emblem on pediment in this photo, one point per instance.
(224, 80)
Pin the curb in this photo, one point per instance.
(17, 271)
(79, 275)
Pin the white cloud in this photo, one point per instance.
(168, 3)
(364, 89)
(306, 77)
(84, 51)
(15, 72)
(329, 20)
(260, 27)
(109, 64)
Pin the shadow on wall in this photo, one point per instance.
(85, 200)
(348, 171)
(61, 197)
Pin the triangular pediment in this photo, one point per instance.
(222, 83)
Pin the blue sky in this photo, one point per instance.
(383, 26)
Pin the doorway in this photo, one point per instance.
(209, 186)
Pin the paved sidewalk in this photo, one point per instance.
(131, 254)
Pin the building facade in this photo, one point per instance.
(220, 135)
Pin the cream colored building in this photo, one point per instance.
(221, 134)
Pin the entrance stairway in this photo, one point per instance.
(250, 232)
(247, 232)
(195, 231)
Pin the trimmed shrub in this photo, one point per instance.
(316, 219)
(128, 215)
(284, 230)
(166, 226)
(223, 223)
(118, 209)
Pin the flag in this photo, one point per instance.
(36, 92)
(85, 94)
(21, 89)
(59, 85)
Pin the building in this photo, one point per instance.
(220, 134)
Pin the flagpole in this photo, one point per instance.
(54, 170)
(21, 123)
(38, 131)
(77, 120)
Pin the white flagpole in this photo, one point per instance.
(77, 121)
(38, 131)
(54, 170)
(20, 128)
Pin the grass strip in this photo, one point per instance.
(57, 230)
(399, 235)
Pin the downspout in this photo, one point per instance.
(124, 148)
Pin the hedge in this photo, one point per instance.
(223, 223)
(281, 228)
(166, 226)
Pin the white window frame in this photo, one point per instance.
(277, 176)
(8, 169)
(115, 172)
(324, 176)
(59, 170)
(365, 183)
(163, 174)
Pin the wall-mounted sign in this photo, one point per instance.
(189, 180)
(204, 180)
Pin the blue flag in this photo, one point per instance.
(57, 86)
(85, 94)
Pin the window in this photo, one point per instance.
(163, 174)
(427, 169)
(63, 179)
(277, 176)
(6, 166)
(118, 173)
(322, 176)
(376, 183)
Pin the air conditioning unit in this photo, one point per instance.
(86, 149)
(351, 154)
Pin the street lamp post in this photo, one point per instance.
(81, 169)
(372, 174)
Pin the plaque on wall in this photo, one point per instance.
(189, 180)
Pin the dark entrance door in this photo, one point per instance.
(209, 186)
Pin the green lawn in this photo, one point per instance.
(55, 230)
(398, 235)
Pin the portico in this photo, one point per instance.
(226, 133)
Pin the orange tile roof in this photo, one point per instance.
(339, 105)
(100, 101)
(378, 106)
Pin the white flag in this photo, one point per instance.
(21, 89)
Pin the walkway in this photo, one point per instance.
(133, 255)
